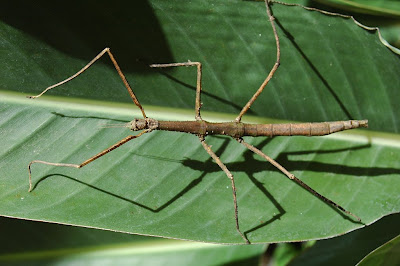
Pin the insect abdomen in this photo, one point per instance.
(302, 129)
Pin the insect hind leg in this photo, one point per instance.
(86, 162)
(295, 179)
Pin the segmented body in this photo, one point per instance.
(239, 129)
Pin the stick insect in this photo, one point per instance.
(201, 128)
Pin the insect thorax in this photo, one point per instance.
(141, 124)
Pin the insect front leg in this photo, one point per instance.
(114, 61)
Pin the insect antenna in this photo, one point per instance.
(115, 125)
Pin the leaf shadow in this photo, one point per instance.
(203, 92)
(90, 117)
(83, 28)
(93, 187)
(209, 165)
(95, 26)
(334, 168)
(250, 166)
(324, 81)
(183, 191)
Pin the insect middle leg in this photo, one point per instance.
(86, 162)
(114, 61)
(198, 83)
(230, 176)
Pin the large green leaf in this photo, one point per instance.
(28, 245)
(164, 183)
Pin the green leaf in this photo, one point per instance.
(382, 14)
(351, 248)
(374, 7)
(44, 244)
(164, 183)
(387, 254)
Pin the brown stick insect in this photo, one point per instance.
(201, 128)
